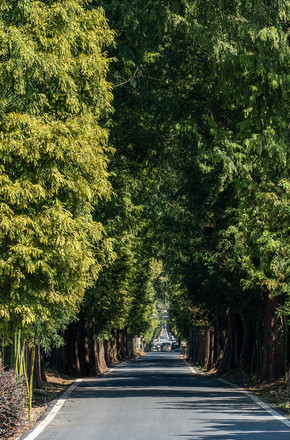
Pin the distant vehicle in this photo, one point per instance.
(165, 346)
(177, 349)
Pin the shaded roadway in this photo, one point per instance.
(157, 397)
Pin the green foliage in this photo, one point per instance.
(53, 161)
(200, 170)
(123, 295)
(223, 212)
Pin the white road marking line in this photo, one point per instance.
(193, 370)
(256, 399)
(51, 415)
(262, 404)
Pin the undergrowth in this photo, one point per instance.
(13, 401)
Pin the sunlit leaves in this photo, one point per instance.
(53, 161)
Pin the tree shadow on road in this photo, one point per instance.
(214, 410)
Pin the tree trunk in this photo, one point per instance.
(88, 361)
(39, 372)
(208, 350)
(101, 364)
(120, 345)
(219, 334)
(194, 345)
(273, 366)
(130, 346)
(233, 343)
(287, 351)
(246, 355)
(111, 349)
(66, 359)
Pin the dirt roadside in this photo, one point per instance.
(274, 392)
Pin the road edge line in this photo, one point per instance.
(194, 370)
(274, 413)
(52, 413)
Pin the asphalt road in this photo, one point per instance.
(158, 397)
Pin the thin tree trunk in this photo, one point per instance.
(273, 366)
(39, 371)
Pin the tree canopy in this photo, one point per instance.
(193, 151)
(53, 160)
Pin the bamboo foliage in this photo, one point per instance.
(53, 162)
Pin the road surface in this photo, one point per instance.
(158, 397)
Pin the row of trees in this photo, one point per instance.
(225, 211)
(177, 188)
(201, 98)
